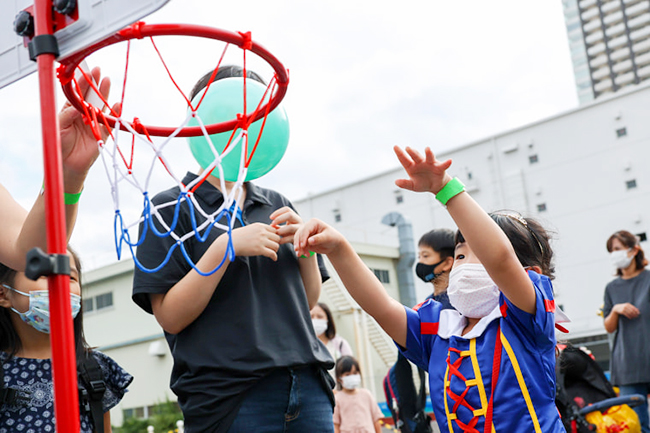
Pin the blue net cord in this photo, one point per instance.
(122, 235)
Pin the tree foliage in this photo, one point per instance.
(163, 419)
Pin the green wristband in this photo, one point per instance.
(450, 190)
(71, 198)
(67, 198)
(311, 254)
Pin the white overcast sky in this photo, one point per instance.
(365, 75)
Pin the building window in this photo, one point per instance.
(104, 301)
(88, 305)
(399, 198)
(631, 184)
(337, 216)
(621, 132)
(642, 237)
(533, 159)
(469, 175)
(541, 207)
(382, 275)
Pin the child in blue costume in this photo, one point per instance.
(26, 393)
(492, 362)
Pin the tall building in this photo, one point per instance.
(610, 44)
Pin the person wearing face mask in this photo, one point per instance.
(435, 259)
(491, 363)
(26, 394)
(627, 313)
(356, 410)
(325, 329)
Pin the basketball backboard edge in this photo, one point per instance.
(97, 19)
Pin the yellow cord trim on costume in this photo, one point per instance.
(444, 398)
(522, 383)
(477, 381)
(478, 378)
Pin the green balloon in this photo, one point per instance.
(223, 102)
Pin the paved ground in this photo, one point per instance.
(391, 429)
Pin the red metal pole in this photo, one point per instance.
(64, 366)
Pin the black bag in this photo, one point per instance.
(405, 403)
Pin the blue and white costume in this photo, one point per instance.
(503, 369)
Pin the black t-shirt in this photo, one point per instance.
(257, 320)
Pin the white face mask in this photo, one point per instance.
(351, 381)
(619, 259)
(320, 326)
(471, 290)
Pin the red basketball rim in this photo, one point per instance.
(141, 30)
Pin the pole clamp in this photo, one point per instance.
(40, 264)
(43, 44)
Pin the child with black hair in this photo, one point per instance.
(435, 260)
(356, 410)
(491, 364)
(26, 393)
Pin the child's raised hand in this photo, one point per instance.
(316, 236)
(286, 221)
(78, 144)
(426, 174)
(256, 240)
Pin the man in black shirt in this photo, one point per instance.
(246, 357)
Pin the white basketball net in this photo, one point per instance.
(119, 169)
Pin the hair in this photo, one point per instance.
(629, 240)
(344, 365)
(330, 332)
(9, 339)
(441, 241)
(228, 71)
(529, 239)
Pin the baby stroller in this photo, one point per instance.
(587, 401)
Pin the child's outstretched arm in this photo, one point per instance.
(287, 222)
(187, 299)
(22, 230)
(485, 238)
(359, 281)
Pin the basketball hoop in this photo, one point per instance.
(118, 163)
(141, 30)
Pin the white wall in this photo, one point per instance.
(580, 176)
(124, 332)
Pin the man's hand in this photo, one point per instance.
(286, 221)
(256, 240)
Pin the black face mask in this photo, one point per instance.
(426, 272)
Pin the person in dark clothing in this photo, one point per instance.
(435, 259)
(627, 312)
(246, 357)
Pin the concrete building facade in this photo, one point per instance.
(610, 44)
(582, 173)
